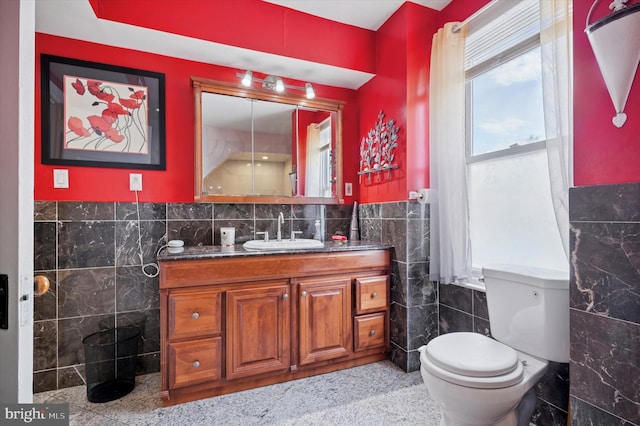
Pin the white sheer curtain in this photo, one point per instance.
(450, 246)
(557, 53)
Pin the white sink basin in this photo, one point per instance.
(298, 244)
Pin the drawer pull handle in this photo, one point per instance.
(374, 295)
(372, 333)
(196, 364)
(304, 293)
(195, 315)
(285, 296)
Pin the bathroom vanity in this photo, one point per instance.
(232, 319)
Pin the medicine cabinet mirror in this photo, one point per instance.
(258, 146)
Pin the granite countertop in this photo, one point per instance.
(210, 252)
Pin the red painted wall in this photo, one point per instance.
(251, 24)
(421, 25)
(177, 182)
(386, 92)
(603, 153)
(459, 10)
(400, 90)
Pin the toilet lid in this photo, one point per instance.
(472, 355)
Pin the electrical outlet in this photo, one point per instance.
(348, 189)
(61, 178)
(135, 182)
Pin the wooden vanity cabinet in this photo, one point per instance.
(239, 322)
(258, 330)
(324, 313)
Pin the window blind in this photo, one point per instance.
(507, 25)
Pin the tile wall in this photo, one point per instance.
(605, 304)
(89, 251)
(414, 309)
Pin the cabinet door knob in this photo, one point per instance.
(195, 315)
(285, 296)
(196, 364)
(372, 333)
(374, 295)
(304, 293)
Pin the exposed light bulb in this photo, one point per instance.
(279, 85)
(274, 83)
(247, 78)
(310, 93)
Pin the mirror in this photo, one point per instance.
(258, 146)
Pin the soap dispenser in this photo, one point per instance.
(318, 234)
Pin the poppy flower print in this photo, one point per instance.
(105, 116)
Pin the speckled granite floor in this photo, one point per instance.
(373, 394)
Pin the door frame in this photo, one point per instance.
(17, 32)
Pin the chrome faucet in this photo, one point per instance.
(280, 221)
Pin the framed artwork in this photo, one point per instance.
(101, 115)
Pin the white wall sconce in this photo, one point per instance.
(615, 40)
(274, 83)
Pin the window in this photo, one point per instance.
(506, 105)
(511, 216)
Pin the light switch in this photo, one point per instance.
(61, 178)
(348, 189)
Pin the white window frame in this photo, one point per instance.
(515, 51)
(490, 64)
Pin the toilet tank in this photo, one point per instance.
(529, 309)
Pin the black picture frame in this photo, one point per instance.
(121, 123)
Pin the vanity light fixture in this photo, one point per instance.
(275, 83)
(615, 40)
(279, 85)
(309, 92)
(247, 79)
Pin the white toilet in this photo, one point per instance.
(480, 381)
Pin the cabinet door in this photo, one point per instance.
(324, 319)
(258, 330)
(193, 314)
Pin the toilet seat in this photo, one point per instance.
(472, 360)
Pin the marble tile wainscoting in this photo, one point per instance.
(605, 304)
(414, 309)
(89, 251)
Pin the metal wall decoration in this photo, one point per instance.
(377, 148)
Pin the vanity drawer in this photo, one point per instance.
(372, 294)
(195, 361)
(369, 331)
(193, 314)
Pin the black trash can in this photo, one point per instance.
(110, 363)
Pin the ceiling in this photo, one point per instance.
(76, 19)
(370, 14)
